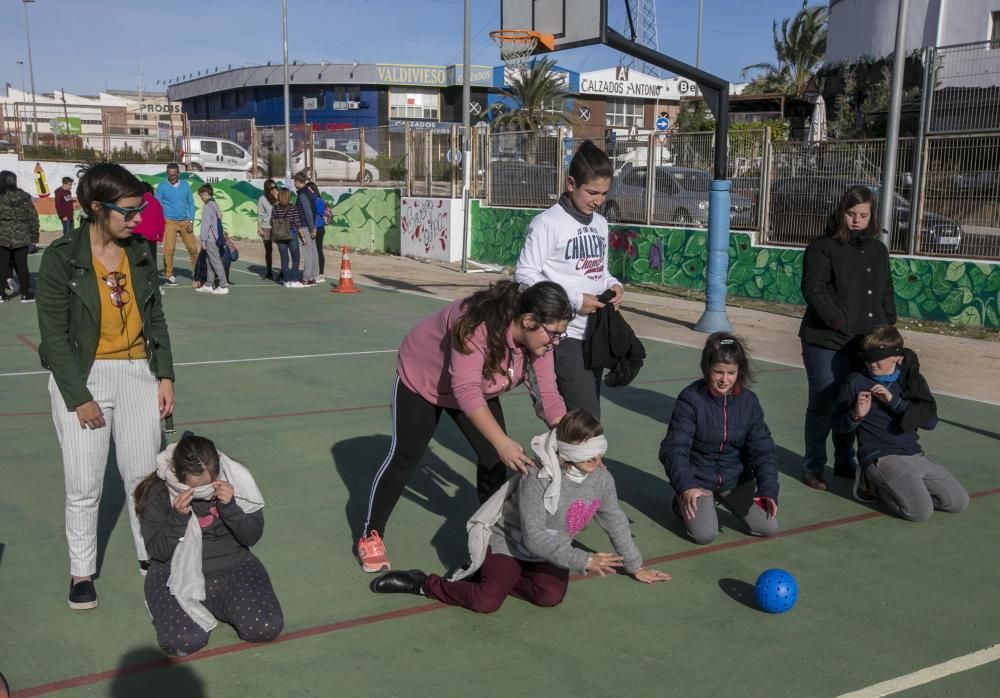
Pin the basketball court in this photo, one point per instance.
(305, 377)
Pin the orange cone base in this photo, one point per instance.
(341, 289)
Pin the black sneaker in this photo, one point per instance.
(82, 595)
(28, 297)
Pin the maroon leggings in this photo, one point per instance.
(541, 583)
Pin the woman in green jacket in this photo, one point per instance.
(104, 338)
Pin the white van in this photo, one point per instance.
(220, 154)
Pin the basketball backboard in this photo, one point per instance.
(571, 23)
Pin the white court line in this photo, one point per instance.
(932, 673)
(239, 361)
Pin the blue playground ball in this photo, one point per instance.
(776, 591)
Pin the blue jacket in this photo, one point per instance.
(177, 202)
(718, 442)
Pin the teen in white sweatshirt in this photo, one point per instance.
(568, 244)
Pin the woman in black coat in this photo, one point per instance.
(847, 284)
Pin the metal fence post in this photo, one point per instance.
(409, 159)
(560, 170)
(764, 193)
(429, 149)
(650, 190)
(919, 171)
(361, 156)
(454, 146)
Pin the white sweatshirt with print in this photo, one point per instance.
(560, 247)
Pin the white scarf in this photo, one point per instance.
(187, 581)
(549, 451)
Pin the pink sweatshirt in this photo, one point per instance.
(430, 366)
(152, 224)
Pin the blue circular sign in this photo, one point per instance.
(662, 123)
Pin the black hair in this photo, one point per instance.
(193, 455)
(67, 180)
(173, 166)
(726, 348)
(498, 306)
(105, 183)
(8, 181)
(268, 183)
(835, 225)
(207, 189)
(148, 187)
(590, 163)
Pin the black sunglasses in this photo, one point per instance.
(128, 213)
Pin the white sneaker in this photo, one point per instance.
(320, 279)
(203, 289)
(221, 291)
(295, 284)
(171, 281)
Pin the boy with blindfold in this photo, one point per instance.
(886, 404)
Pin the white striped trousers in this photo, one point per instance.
(126, 390)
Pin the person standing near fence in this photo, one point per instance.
(149, 231)
(306, 203)
(568, 244)
(105, 342)
(64, 204)
(265, 205)
(320, 231)
(284, 231)
(178, 208)
(847, 285)
(18, 230)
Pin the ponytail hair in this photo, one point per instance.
(193, 455)
(498, 306)
(590, 163)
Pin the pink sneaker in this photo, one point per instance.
(371, 554)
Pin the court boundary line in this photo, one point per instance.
(327, 628)
(927, 675)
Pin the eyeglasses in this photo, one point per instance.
(554, 337)
(128, 213)
(116, 282)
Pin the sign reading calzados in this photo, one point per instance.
(620, 82)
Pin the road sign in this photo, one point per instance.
(662, 123)
(310, 103)
(475, 108)
(663, 138)
(454, 156)
(585, 113)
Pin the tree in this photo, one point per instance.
(538, 92)
(799, 48)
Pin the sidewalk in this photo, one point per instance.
(953, 365)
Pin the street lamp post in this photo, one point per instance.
(288, 119)
(31, 74)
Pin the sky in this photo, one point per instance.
(86, 47)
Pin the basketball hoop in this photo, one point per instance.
(518, 45)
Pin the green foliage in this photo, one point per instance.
(780, 128)
(695, 117)
(799, 48)
(51, 152)
(276, 163)
(536, 90)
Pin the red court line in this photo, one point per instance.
(27, 342)
(89, 679)
(282, 415)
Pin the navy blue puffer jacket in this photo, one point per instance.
(717, 442)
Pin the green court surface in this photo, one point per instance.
(296, 385)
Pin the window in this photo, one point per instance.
(232, 151)
(625, 113)
(995, 30)
(414, 104)
(316, 94)
(346, 93)
(209, 147)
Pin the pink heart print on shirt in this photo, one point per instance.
(579, 515)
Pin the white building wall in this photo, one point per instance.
(868, 27)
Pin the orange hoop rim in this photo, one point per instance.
(522, 37)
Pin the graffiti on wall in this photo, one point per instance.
(960, 292)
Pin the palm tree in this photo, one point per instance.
(538, 92)
(799, 48)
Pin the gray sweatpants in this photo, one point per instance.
(704, 527)
(580, 387)
(215, 270)
(914, 486)
(310, 257)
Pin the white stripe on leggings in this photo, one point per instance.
(127, 393)
(385, 465)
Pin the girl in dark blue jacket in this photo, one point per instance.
(718, 449)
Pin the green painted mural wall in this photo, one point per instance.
(965, 293)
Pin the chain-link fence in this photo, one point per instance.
(806, 181)
(961, 197)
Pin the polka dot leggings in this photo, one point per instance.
(242, 597)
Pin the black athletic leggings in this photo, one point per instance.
(19, 257)
(414, 421)
(320, 232)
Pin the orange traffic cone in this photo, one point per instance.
(346, 284)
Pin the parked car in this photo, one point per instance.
(518, 183)
(681, 196)
(800, 207)
(220, 154)
(335, 165)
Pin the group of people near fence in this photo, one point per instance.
(195, 513)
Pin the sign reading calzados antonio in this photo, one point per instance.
(620, 82)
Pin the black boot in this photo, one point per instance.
(400, 582)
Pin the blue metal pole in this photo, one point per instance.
(714, 318)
